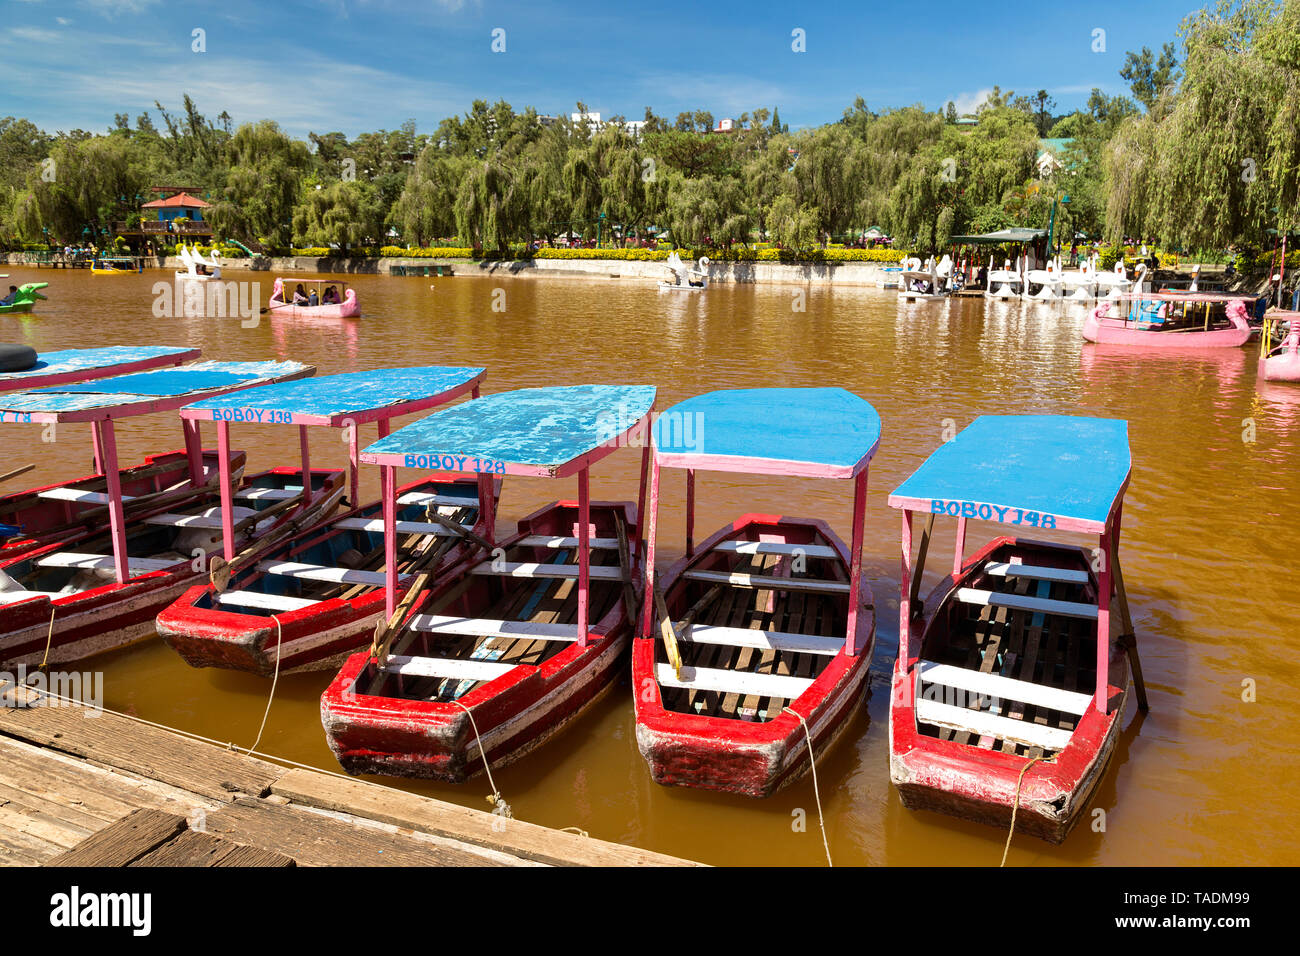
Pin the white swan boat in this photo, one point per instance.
(685, 279)
(198, 269)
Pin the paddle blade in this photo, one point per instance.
(219, 573)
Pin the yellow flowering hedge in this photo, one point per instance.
(652, 255)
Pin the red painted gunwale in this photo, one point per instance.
(309, 638)
(116, 614)
(514, 713)
(968, 781)
(736, 756)
(48, 512)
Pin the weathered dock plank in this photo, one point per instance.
(128, 745)
(124, 841)
(77, 790)
(517, 837)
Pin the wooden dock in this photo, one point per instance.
(83, 788)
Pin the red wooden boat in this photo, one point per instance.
(313, 594)
(70, 598)
(770, 618)
(1009, 687)
(492, 659)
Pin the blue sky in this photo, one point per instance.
(358, 65)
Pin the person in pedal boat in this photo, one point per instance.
(300, 295)
(313, 299)
(331, 296)
(9, 299)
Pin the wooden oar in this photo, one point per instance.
(458, 529)
(630, 601)
(917, 573)
(220, 570)
(16, 472)
(1127, 639)
(386, 630)
(666, 631)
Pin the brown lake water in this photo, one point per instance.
(1211, 541)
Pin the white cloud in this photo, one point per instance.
(62, 21)
(111, 8)
(970, 102)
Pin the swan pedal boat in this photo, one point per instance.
(1010, 682)
(1171, 320)
(305, 599)
(770, 616)
(348, 308)
(1282, 364)
(103, 588)
(496, 656)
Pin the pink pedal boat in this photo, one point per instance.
(346, 308)
(1282, 364)
(1172, 320)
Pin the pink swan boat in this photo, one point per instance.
(346, 309)
(1171, 320)
(1283, 363)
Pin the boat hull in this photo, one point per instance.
(309, 638)
(1284, 366)
(749, 758)
(512, 714)
(60, 629)
(984, 784)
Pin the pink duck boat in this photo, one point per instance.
(1283, 363)
(1171, 320)
(345, 308)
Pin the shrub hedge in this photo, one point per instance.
(648, 255)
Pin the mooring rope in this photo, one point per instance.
(495, 799)
(1015, 805)
(49, 638)
(275, 678)
(812, 762)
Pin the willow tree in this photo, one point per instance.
(492, 205)
(344, 213)
(424, 208)
(262, 189)
(1223, 164)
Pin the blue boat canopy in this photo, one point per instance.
(330, 398)
(164, 386)
(1041, 471)
(809, 432)
(549, 432)
(80, 360)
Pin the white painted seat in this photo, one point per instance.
(102, 562)
(424, 498)
(531, 569)
(550, 541)
(776, 547)
(1007, 688)
(185, 521)
(403, 527)
(13, 597)
(990, 725)
(267, 494)
(763, 640)
(321, 572)
(266, 602)
(446, 667)
(732, 682)
(488, 627)
(1023, 602)
(72, 494)
(1002, 569)
(769, 582)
